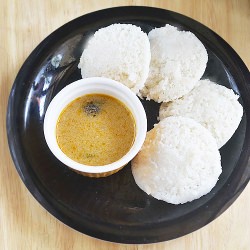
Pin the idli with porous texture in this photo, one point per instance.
(120, 52)
(178, 61)
(179, 161)
(213, 106)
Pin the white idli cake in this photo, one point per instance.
(178, 61)
(179, 161)
(214, 106)
(120, 52)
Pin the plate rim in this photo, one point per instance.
(242, 179)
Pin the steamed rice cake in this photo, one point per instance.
(179, 161)
(213, 106)
(178, 61)
(120, 52)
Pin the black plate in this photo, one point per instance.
(114, 208)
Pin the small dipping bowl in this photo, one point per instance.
(95, 85)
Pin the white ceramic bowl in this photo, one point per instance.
(95, 85)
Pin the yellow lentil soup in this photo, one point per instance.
(95, 130)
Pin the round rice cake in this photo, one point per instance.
(120, 52)
(179, 161)
(178, 61)
(213, 106)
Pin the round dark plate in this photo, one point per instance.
(114, 208)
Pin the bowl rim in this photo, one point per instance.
(91, 85)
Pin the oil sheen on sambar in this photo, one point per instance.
(95, 130)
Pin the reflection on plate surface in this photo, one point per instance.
(114, 208)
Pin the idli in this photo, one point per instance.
(213, 106)
(120, 52)
(179, 161)
(178, 61)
